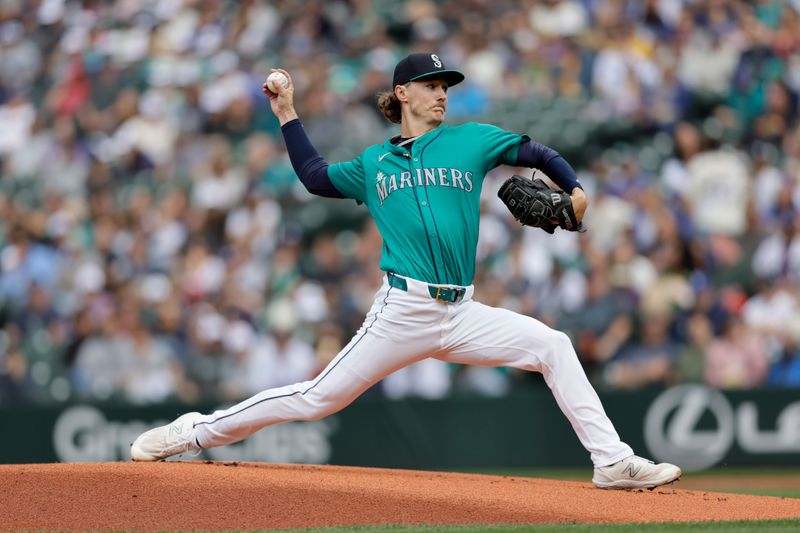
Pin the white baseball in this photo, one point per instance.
(274, 79)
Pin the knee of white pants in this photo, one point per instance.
(560, 348)
(321, 411)
(321, 405)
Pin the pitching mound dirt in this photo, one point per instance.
(239, 496)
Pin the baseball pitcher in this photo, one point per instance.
(422, 188)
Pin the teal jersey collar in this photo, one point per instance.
(420, 142)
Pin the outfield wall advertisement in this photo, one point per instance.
(691, 425)
(698, 427)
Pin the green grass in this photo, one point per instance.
(734, 527)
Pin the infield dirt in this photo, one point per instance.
(240, 496)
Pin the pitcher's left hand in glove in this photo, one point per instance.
(535, 204)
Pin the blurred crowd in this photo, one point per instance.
(155, 243)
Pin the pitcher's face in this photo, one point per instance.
(426, 99)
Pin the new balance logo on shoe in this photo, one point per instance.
(632, 470)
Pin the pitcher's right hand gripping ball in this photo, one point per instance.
(535, 204)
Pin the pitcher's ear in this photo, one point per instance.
(401, 93)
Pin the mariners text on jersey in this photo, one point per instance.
(424, 177)
(425, 199)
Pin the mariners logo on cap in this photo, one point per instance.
(436, 61)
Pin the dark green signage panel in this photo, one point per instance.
(691, 425)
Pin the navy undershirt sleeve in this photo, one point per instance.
(536, 155)
(310, 167)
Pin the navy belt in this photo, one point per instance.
(437, 292)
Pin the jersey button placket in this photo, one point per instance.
(427, 216)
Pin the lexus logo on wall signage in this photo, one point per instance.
(695, 427)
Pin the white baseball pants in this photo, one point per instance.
(403, 327)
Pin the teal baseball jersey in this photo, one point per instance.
(426, 200)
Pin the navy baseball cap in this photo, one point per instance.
(416, 67)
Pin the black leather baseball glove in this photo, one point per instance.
(535, 204)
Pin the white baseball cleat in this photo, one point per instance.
(165, 441)
(635, 473)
